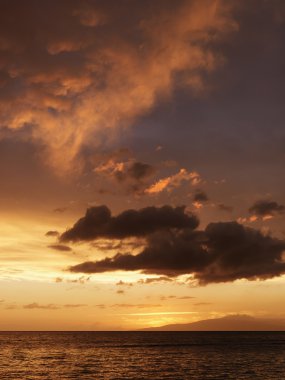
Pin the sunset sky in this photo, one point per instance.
(142, 150)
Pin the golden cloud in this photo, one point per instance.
(174, 181)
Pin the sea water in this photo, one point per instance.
(142, 355)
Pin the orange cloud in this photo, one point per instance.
(82, 81)
(171, 182)
(197, 205)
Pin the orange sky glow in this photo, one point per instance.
(141, 163)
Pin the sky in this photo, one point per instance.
(141, 162)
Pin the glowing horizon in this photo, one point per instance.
(141, 161)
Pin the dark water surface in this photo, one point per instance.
(142, 355)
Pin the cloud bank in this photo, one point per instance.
(222, 252)
(99, 223)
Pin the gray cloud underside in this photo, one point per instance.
(60, 247)
(222, 252)
(266, 207)
(98, 223)
(200, 196)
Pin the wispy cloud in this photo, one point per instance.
(174, 181)
(84, 77)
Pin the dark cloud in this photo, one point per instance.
(222, 252)
(52, 233)
(152, 280)
(124, 169)
(81, 280)
(98, 223)
(266, 207)
(200, 196)
(140, 170)
(121, 245)
(60, 247)
(123, 283)
(132, 175)
(136, 171)
(60, 209)
(167, 253)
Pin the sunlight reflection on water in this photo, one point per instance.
(142, 355)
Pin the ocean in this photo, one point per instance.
(142, 355)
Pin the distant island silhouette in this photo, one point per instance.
(228, 323)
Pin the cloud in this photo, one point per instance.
(60, 247)
(163, 298)
(51, 306)
(11, 307)
(60, 209)
(140, 170)
(123, 283)
(266, 208)
(74, 305)
(200, 196)
(101, 306)
(81, 280)
(166, 254)
(35, 305)
(203, 304)
(52, 233)
(223, 252)
(174, 181)
(98, 66)
(122, 245)
(99, 223)
(137, 306)
(129, 305)
(152, 280)
(251, 219)
(110, 168)
(126, 172)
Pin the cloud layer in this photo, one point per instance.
(222, 252)
(99, 65)
(99, 223)
(265, 208)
